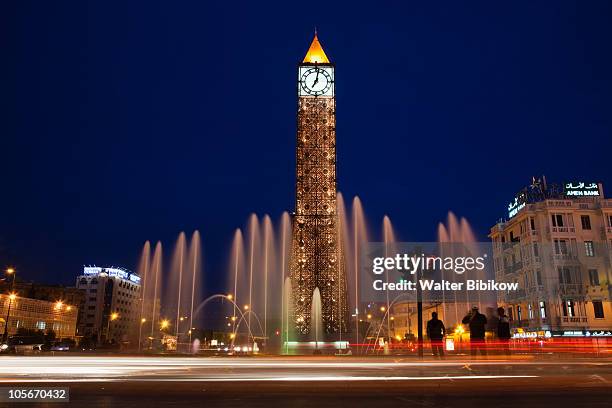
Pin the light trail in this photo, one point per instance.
(297, 378)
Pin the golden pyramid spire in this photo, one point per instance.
(315, 53)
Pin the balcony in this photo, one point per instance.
(577, 320)
(566, 230)
(571, 289)
(515, 295)
(563, 257)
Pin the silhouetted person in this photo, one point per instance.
(503, 330)
(477, 322)
(435, 333)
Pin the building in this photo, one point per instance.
(52, 293)
(111, 311)
(35, 314)
(556, 243)
(317, 259)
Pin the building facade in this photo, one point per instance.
(35, 314)
(557, 244)
(317, 258)
(111, 311)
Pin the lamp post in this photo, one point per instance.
(113, 316)
(11, 297)
(13, 272)
(142, 321)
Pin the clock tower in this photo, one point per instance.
(317, 259)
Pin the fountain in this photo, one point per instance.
(316, 323)
(286, 313)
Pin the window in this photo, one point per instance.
(530, 311)
(542, 309)
(557, 220)
(598, 309)
(40, 325)
(538, 275)
(569, 308)
(536, 250)
(510, 313)
(532, 223)
(589, 248)
(519, 313)
(586, 222)
(561, 247)
(594, 277)
(610, 220)
(565, 276)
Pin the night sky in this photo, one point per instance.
(127, 122)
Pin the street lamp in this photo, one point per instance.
(113, 316)
(12, 296)
(164, 324)
(142, 321)
(13, 272)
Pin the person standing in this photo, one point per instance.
(435, 333)
(503, 330)
(477, 322)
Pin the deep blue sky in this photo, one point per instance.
(127, 122)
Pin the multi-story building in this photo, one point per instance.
(34, 314)
(111, 311)
(52, 293)
(557, 244)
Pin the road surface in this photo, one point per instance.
(125, 381)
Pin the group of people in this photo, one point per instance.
(477, 323)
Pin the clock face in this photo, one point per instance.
(316, 81)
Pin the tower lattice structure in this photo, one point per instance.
(317, 258)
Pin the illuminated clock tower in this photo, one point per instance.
(317, 259)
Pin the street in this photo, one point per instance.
(320, 381)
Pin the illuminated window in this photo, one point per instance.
(530, 311)
(569, 308)
(589, 248)
(542, 309)
(519, 313)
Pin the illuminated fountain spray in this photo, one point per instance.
(175, 284)
(359, 239)
(457, 231)
(253, 241)
(156, 273)
(143, 271)
(195, 266)
(269, 263)
(389, 243)
(236, 271)
(316, 322)
(287, 312)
